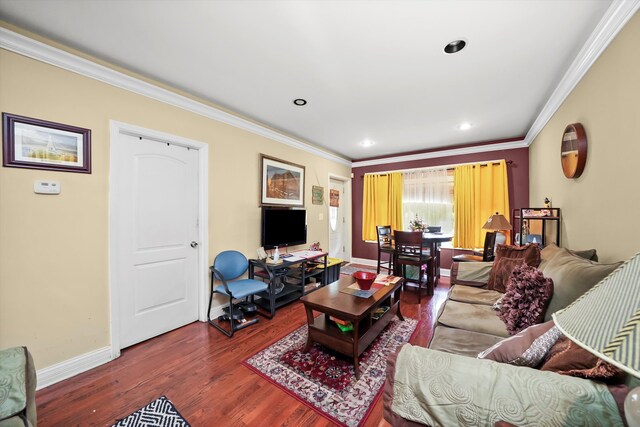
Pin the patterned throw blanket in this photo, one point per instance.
(442, 389)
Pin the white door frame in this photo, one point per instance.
(116, 128)
(347, 197)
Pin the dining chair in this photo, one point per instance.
(385, 246)
(487, 253)
(227, 267)
(436, 256)
(410, 251)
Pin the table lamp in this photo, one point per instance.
(606, 322)
(498, 223)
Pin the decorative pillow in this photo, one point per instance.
(525, 302)
(572, 276)
(507, 258)
(527, 348)
(568, 358)
(470, 273)
(551, 250)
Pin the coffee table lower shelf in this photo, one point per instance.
(324, 331)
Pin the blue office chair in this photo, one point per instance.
(229, 265)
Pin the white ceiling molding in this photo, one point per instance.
(443, 153)
(609, 26)
(26, 46)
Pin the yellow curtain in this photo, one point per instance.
(478, 192)
(381, 203)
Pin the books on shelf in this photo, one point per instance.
(340, 321)
(379, 312)
(342, 324)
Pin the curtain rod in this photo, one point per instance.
(447, 167)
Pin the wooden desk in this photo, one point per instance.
(331, 302)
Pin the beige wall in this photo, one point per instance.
(600, 209)
(54, 285)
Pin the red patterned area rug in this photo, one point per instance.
(325, 380)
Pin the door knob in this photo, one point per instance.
(194, 244)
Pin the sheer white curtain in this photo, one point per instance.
(428, 193)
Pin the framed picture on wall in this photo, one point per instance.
(282, 182)
(39, 144)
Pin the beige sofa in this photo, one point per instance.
(447, 385)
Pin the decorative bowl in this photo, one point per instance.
(364, 279)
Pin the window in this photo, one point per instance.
(428, 193)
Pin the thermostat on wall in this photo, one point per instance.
(46, 187)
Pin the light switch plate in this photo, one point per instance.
(46, 187)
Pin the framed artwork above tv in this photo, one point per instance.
(282, 182)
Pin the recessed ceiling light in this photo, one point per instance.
(455, 46)
(464, 126)
(367, 143)
(300, 102)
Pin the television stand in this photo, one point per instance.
(290, 278)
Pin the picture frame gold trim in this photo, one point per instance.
(282, 182)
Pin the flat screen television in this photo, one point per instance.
(283, 227)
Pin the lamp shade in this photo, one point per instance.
(497, 222)
(606, 319)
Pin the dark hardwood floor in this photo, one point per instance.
(200, 371)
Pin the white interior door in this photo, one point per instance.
(156, 240)
(337, 220)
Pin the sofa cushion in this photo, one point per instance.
(525, 302)
(508, 258)
(474, 295)
(458, 341)
(551, 250)
(568, 358)
(572, 276)
(527, 348)
(471, 273)
(472, 317)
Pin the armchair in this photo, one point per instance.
(227, 266)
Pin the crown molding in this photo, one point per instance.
(39, 51)
(609, 26)
(442, 153)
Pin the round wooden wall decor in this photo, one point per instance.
(573, 151)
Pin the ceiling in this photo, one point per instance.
(369, 69)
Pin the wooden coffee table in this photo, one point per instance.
(331, 302)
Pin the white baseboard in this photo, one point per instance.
(74, 366)
(79, 364)
(217, 311)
